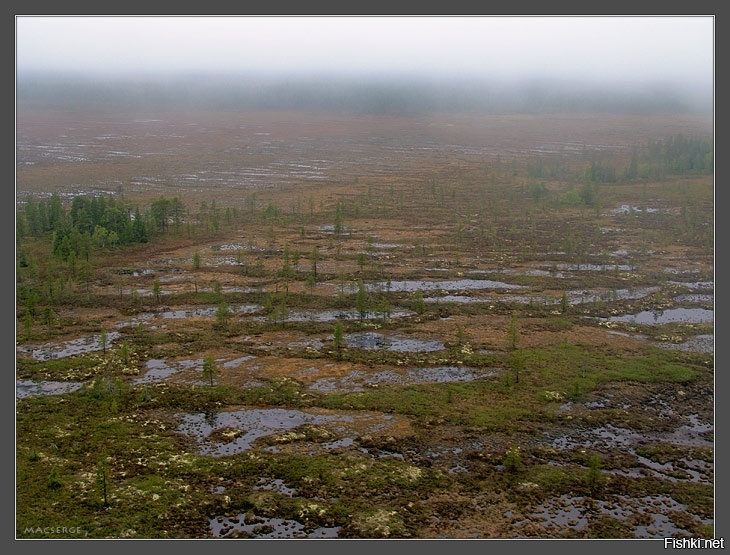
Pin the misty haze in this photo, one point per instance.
(365, 278)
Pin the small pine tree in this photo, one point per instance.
(222, 316)
(420, 305)
(564, 303)
(339, 336)
(594, 477)
(210, 369)
(103, 341)
(513, 460)
(49, 317)
(156, 290)
(361, 301)
(124, 352)
(102, 480)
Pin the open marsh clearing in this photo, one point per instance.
(329, 326)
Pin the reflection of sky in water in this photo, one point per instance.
(207, 312)
(577, 512)
(697, 344)
(689, 315)
(357, 380)
(594, 267)
(158, 370)
(695, 284)
(74, 347)
(252, 424)
(274, 528)
(29, 388)
(376, 341)
(445, 285)
(238, 361)
(695, 298)
(628, 209)
(332, 315)
(612, 437)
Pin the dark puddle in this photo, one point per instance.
(29, 388)
(334, 315)
(695, 284)
(630, 209)
(358, 381)
(595, 267)
(575, 297)
(576, 513)
(597, 295)
(698, 298)
(446, 285)
(456, 299)
(132, 272)
(227, 433)
(691, 434)
(377, 341)
(537, 272)
(49, 351)
(159, 370)
(686, 315)
(447, 374)
(276, 485)
(236, 362)
(207, 312)
(697, 344)
(274, 528)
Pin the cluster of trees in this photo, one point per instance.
(94, 222)
(89, 222)
(676, 154)
(680, 154)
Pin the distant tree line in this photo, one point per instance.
(680, 154)
(355, 95)
(676, 154)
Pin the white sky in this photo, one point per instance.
(620, 49)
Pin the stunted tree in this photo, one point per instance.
(594, 478)
(222, 315)
(102, 480)
(210, 369)
(338, 226)
(49, 317)
(125, 352)
(103, 341)
(564, 304)
(361, 300)
(156, 290)
(339, 336)
(384, 308)
(418, 298)
(282, 310)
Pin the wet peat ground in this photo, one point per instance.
(455, 286)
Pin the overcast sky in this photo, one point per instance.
(625, 49)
